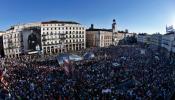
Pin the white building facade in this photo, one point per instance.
(62, 36)
(168, 41)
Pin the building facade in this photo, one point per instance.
(105, 37)
(50, 37)
(155, 41)
(168, 41)
(143, 38)
(99, 37)
(15, 39)
(62, 36)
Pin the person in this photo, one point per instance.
(137, 77)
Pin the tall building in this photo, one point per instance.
(49, 37)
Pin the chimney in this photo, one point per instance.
(92, 26)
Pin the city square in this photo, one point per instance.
(87, 50)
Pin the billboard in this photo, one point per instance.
(31, 38)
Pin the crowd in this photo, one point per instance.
(121, 72)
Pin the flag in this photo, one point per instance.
(66, 65)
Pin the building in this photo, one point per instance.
(121, 36)
(62, 36)
(16, 41)
(49, 37)
(143, 38)
(168, 41)
(99, 37)
(105, 37)
(155, 41)
(1, 44)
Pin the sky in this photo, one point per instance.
(148, 16)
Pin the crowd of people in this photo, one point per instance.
(123, 72)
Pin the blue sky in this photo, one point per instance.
(136, 15)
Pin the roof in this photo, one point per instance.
(11, 28)
(142, 34)
(121, 32)
(60, 22)
(170, 33)
(95, 29)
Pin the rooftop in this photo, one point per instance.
(62, 22)
(96, 29)
(170, 33)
